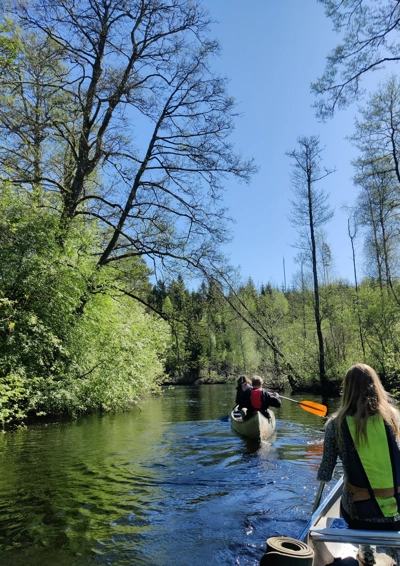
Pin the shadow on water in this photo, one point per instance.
(169, 484)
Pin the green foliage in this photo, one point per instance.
(9, 47)
(70, 341)
(18, 397)
(118, 354)
(357, 325)
(41, 288)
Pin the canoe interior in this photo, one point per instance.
(330, 538)
(257, 426)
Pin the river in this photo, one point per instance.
(165, 484)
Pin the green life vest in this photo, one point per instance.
(376, 460)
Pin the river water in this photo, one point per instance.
(166, 484)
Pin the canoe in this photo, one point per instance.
(330, 538)
(257, 426)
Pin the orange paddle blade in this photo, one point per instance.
(315, 408)
(310, 406)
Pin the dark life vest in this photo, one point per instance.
(256, 398)
(367, 500)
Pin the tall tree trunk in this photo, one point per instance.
(317, 310)
(356, 284)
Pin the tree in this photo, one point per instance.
(272, 306)
(377, 175)
(370, 40)
(310, 211)
(182, 311)
(54, 359)
(33, 108)
(352, 231)
(9, 47)
(378, 217)
(146, 141)
(231, 293)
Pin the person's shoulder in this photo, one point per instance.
(330, 426)
(268, 393)
(396, 413)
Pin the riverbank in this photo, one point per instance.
(279, 384)
(275, 384)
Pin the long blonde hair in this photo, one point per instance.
(364, 397)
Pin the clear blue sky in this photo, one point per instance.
(271, 51)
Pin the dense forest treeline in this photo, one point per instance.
(272, 332)
(114, 156)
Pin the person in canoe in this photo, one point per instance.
(243, 384)
(258, 399)
(365, 434)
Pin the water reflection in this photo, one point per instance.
(168, 483)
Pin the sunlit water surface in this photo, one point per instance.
(168, 483)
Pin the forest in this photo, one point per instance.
(114, 159)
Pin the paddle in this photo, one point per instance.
(310, 406)
(304, 532)
(225, 418)
(318, 497)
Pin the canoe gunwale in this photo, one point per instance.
(323, 508)
(328, 541)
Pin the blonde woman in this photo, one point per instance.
(365, 434)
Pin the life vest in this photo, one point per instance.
(256, 398)
(373, 469)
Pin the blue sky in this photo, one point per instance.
(271, 51)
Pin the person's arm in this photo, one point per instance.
(330, 454)
(271, 400)
(237, 398)
(245, 401)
